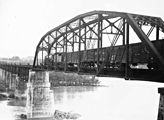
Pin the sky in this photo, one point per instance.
(24, 22)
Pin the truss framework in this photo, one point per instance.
(86, 31)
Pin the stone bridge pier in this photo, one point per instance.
(39, 96)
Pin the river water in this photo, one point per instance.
(118, 100)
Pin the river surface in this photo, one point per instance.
(119, 100)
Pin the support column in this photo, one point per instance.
(157, 33)
(99, 41)
(127, 52)
(66, 45)
(123, 40)
(3, 74)
(39, 96)
(161, 104)
(5, 78)
(17, 90)
(13, 81)
(79, 50)
(10, 80)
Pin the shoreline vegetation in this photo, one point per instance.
(72, 79)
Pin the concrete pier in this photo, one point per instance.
(161, 104)
(11, 80)
(39, 96)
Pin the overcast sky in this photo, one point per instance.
(24, 22)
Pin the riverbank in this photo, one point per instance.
(72, 79)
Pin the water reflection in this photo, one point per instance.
(63, 94)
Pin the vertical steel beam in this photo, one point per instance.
(85, 40)
(37, 60)
(36, 52)
(101, 27)
(123, 42)
(73, 46)
(52, 60)
(127, 52)
(101, 35)
(65, 66)
(79, 50)
(157, 33)
(48, 52)
(86, 43)
(56, 54)
(98, 42)
(56, 57)
(42, 56)
(63, 50)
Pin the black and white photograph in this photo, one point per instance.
(81, 60)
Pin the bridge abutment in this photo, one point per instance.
(161, 104)
(39, 96)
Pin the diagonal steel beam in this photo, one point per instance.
(153, 51)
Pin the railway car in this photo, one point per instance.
(114, 56)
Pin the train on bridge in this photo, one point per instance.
(80, 45)
(138, 55)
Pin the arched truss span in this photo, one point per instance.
(86, 31)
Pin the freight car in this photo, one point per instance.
(138, 54)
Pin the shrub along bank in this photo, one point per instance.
(72, 79)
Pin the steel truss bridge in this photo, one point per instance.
(100, 43)
(105, 43)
